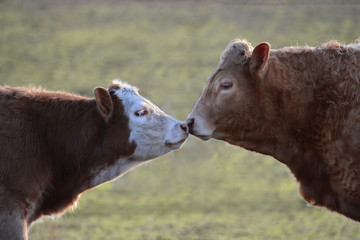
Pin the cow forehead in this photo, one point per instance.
(130, 96)
(232, 53)
(123, 89)
(236, 52)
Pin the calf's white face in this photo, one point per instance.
(153, 131)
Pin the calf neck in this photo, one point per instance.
(56, 145)
(300, 105)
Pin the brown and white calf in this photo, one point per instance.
(56, 145)
(300, 105)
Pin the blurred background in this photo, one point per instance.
(206, 190)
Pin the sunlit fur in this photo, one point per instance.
(154, 134)
(56, 145)
(302, 107)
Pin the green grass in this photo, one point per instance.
(206, 190)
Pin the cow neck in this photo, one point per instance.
(296, 111)
(288, 115)
(77, 140)
(73, 128)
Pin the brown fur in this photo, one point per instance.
(49, 142)
(298, 104)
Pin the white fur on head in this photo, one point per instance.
(155, 133)
(126, 90)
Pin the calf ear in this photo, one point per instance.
(104, 102)
(259, 58)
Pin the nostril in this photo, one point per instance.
(184, 127)
(190, 122)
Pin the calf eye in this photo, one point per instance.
(226, 85)
(141, 113)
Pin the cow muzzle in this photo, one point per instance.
(198, 127)
(177, 135)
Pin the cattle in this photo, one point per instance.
(56, 145)
(300, 105)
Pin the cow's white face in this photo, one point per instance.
(153, 131)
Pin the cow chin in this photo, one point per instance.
(203, 137)
(175, 145)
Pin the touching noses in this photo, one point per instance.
(185, 127)
(190, 123)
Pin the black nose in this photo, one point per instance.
(190, 123)
(184, 127)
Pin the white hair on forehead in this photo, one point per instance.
(125, 88)
(127, 93)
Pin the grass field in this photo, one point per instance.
(206, 190)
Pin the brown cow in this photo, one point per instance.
(56, 145)
(300, 105)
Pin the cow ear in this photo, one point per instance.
(104, 102)
(259, 57)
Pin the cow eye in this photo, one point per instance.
(226, 85)
(141, 112)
